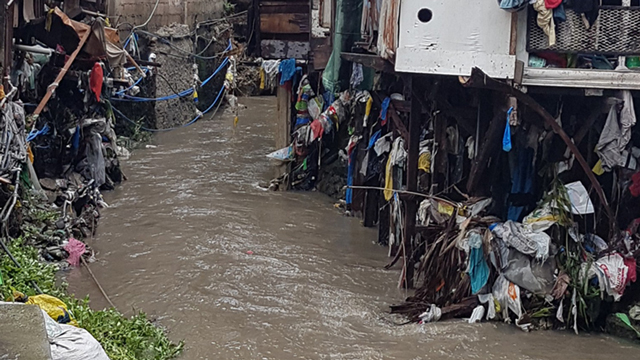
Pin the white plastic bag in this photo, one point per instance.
(283, 154)
(431, 315)
(616, 272)
(72, 343)
(491, 306)
(580, 202)
(477, 314)
(508, 296)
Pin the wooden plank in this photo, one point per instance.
(284, 23)
(411, 204)
(513, 41)
(283, 123)
(284, 3)
(370, 61)
(285, 9)
(64, 70)
(7, 39)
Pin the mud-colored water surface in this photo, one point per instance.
(242, 273)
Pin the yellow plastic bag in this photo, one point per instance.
(424, 162)
(51, 305)
(598, 169)
(388, 181)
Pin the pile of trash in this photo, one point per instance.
(545, 271)
(317, 126)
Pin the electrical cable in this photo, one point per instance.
(149, 19)
(190, 54)
(180, 94)
(216, 100)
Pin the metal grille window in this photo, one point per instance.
(616, 32)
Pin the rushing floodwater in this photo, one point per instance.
(177, 242)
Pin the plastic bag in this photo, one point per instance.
(530, 275)
(580, 202)
(491, 307)
(523, 239)
(507, 295)
(541, 218)
(283, 154)
(616, 271)
(506, 138)
(53, 306)
(72, 343)
(432, 314)
(477, 314)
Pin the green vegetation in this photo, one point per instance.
(136, 338)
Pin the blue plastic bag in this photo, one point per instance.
(506, 139)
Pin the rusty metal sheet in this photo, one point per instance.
(284, 23)
(282, 49)
(388, 29)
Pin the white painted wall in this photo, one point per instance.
(462, 34)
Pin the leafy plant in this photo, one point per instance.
(228, 8)
(135, 338)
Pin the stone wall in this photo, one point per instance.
(169, 11)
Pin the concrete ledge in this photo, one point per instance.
(23, 334)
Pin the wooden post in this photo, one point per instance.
(6, 21)
(440, 160)
(411, 205)
(283, 122)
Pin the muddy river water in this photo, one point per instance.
(242, 273)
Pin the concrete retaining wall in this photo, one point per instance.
(168, 12)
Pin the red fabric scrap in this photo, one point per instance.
(634, 188)
(75, 249)
(317, 128)
(552, 4)
(95, 80)
(631, 275)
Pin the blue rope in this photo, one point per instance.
(121, 92)
(178, 95)
(34, 133)
(218, 97)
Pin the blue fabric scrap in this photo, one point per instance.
(287, 69)
(478, 268)
(374, 138)
(383, 111)
(506, 139)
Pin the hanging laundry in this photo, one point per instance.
(634, 188)
(95, 80)
(552, 4)
(357, 76)
(384, 110)
(588, 9)
(512, 4)
(506, 138)
(545, 21)
(478, 268)
(318, 130)
(398, 153)
(383, 145)
(302, 105)
(287, 69)
(388, 180)
(374, 138)
(268, 74)
(616, 134)
(559, 15)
